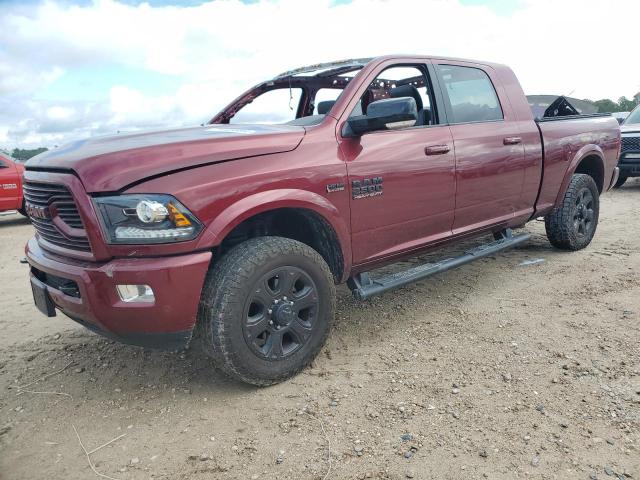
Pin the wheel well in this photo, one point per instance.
(299, 224)
(592, 166)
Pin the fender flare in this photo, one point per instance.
(268, 200)
(590, 150)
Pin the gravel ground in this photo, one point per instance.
(495, 370)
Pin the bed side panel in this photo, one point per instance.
(565, 143)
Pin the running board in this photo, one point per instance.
(363, 287)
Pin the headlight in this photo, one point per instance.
(146, 219)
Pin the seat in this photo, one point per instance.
(424, 115)
(324, 107)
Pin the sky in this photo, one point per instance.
(73, 69)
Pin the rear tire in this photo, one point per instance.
(22, 211)
(573, 224)
(266, 309)
(620, 181)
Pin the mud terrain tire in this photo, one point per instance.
(573, 224)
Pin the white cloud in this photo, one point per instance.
(60, 113)
(220, 48)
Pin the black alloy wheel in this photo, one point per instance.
(280, 314)
(584, 213)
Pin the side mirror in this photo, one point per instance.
(387, 114)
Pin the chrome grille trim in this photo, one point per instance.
(56, 198)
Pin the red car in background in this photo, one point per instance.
(11, 185)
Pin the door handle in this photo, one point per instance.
(512, 140)
(437, 149)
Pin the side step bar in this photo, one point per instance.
(363, 287)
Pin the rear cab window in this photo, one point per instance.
(324, 100)
(469, 94)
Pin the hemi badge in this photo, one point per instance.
(335, 187)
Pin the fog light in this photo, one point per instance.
(632, 155)
(136, 293)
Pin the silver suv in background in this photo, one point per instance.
(629, 162)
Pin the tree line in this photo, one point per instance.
(622, 105)
(24, 154)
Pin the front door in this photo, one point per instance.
(401, 181)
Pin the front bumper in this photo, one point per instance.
(166, 323)
(629, 169)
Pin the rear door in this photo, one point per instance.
(401, 181)
(9, 185)
(490, 160)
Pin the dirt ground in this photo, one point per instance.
(495, 370)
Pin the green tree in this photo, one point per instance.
(606, 106)
(22, 155)
(625, 104)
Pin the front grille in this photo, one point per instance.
(48, 198)
(630, 144)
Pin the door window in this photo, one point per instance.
(471, 95)
(401, 81)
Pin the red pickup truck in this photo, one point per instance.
(11, 185)
(235, 233)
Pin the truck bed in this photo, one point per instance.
(567, 139)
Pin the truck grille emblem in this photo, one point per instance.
(37, 211)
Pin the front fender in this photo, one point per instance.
(586, 151)
(268, 200)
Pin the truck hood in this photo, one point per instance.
(631, 128)
(106, 164)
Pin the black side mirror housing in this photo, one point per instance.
(386, 114)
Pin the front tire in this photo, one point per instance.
(266, 309)
(620, 181)
(573, 224)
